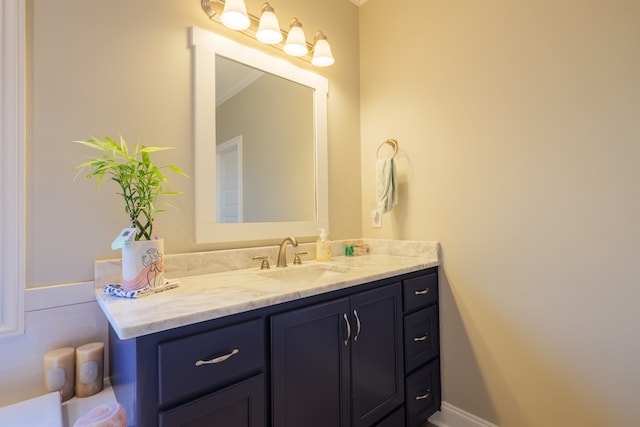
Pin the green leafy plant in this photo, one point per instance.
(140, 181)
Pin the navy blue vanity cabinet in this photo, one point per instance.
(421, 348)
(211, 373)
(339, 363)
(361, 356)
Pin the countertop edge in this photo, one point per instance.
(134, 331)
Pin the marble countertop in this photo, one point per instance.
(213, 295)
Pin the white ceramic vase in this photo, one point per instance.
(142, 264)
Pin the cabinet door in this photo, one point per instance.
(240, 405)
(310, 366)
(377, 362)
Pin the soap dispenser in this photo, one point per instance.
(323, 247)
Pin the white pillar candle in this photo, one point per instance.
(89, 369)
(59, 371)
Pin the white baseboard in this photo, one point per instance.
(452, 416)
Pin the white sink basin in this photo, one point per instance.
(306, 273)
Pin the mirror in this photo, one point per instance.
(265, 160)
(260, 129)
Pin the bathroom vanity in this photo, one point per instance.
(353, 342)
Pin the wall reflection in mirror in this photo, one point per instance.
(265, 147)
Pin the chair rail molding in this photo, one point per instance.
(12, 167)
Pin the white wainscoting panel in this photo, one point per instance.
(56, 316)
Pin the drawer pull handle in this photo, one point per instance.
(346, 341)
(355, 313)
(423, 338)
(219, 359)
(424, 396)
(426, 291)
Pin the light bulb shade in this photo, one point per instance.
(322, 56)
(234, 15)
(296, 44)
(269, 28)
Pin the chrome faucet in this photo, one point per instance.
(282, 253)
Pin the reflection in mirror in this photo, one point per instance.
(260, 144)
(265, 156)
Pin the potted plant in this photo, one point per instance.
(141, 184)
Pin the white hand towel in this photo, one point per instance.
(386, 185)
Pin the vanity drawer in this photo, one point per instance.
(420, 337)
(423, 394)
(201, 362)
(420, 291)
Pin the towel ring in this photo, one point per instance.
(391, 142)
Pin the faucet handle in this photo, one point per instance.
(265, 262)
(296, 258)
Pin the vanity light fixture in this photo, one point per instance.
(268, 28)
(322, 56)
(233, 14)
(296, 44)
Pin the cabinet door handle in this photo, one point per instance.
(355, 313)
(424, 396)
(218, 359)
(424, 292)
(423, 338)
(346, 341)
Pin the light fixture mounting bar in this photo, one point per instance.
(213, 9)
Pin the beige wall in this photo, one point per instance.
(124, 66)
(518, 124)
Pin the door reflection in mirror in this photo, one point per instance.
(229, 180)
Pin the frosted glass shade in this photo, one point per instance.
(234, 15)
(296, 44)
(322, 56)
(269, 28)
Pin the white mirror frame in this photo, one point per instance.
(12, 164)
(206, 45)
